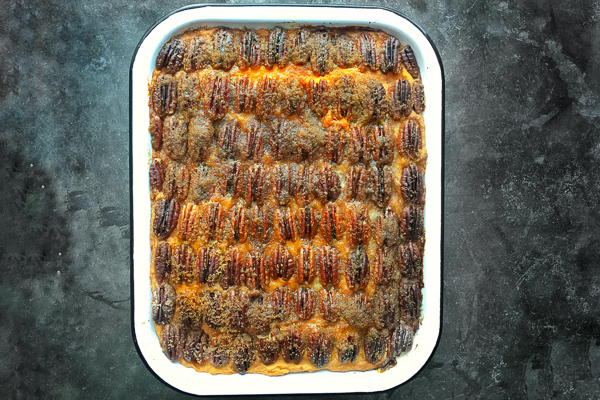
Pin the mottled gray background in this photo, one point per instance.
(521, 281)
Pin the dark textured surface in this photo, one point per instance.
(521, 281)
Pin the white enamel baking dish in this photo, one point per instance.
(191, 381)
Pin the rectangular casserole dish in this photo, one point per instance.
(191, 381)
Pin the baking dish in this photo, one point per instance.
(191, 381)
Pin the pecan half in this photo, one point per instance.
(357, 183)
(318, 96)
(411, 223)
(321, 61)
(217, 314)
(277, 52)
(307, 265)
(308, 222)
(250, 54)
(359, 226)
(157, 174)
(267, 99)
(244, 95)
(200, 136)
(410, 303)
(165, 218)
(336, 141)
(207, 267)
(238, 221)
(328, 305)
(285, 225)
(224, 54)
(163, 97)
(418, 97)
(256, 271)
(175, 136)
(410, 259)
(368, 49)
(238, 309)
(243, 353)
(170, 184)
(172, 342)
(375, 345)
(391, 60)
(344, 95)
(188, 92)
(281, 303)
(411, 184)
(283, 179)
(268, 349)
(190, 311)
(257, 184)
(377, 102)
(282, 263)
(320, 346)
(332, 226)
(162, 262)
(304, 303)
(348, 348)
(156, 132)
(202, 184)
(189, 222)
(216, 103)
(382, 271)
(219, 354)
(382, 147)
(387, 228)
(233, 275)
(381, 185)
(183, 264)
(345, 52)
(234, 181)
(163, 304)
(301, 47)
(292, 346)
(283, 146)
(384, 308)
(182, 182)
(292, 95)
(195, 346)
(213, 221)
(328, 185)
(259, 224)
(198, 54)
(357, 269)
(400, 340)
(171, 56)
(356, 311)
(410, 62)
(358, 146)
(409, 139)
(305, 184)
(329, 266)
(401, 100)
(253, 144)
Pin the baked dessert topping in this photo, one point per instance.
(287, 190)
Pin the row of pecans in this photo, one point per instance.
(325, 49)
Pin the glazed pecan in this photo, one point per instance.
(409, 139)
(243, 353)
(329, 266)
(336, 141)
(163, 97)
(268, 349)
(172, 342)
(171, 56)
(259, 224)
(410, 259)
(382, 148)
(165, 217)
(384, 308)
(307, 265)
(224, 54)
(219, 353)
(301, 47)
(207, 267)
(359, 225)
(175, 136)
(198, 54)
(381, 185)
(282, 263)
(305, 184)
(217, 310)
(410, 62)
(391, 60)
(348, 348)
(188, 92)
(377, 102)
(411, 185)
(234, 272)
(387, 228)
(256, 271)
(332, 225)
(189, 222)
(216, 88)
(182, 264)
(195, 346)
(357, 269)
(163, 304)
(200, 136)
(345, 52)
(239, 223)
(368, 49)
(250, 55)
(281, 303)
(308, 222)
(356, 311)
(418, 97)
(202, 184)
(283, 179)
(375, 345)
(182, 182)
(358, 146)
(244, 95)
(234, 181)
(285, 224)
(320, 346)
(321, 61)
(382, 270)
(344, 96)
(292, 95)
(292, 346)
(328, 305)
(213, 221)
(257, 184)
(304, 303)
(411, 223)
(156, 132)
(400, 340)
(157, 174)
(357, 183)
(328, 185)
(253, 143)
(277, 52)
(162, 262)
(238, 309)
(401, 99)
(170, 183)
(410, 302)
(317, 93)
(267, 99)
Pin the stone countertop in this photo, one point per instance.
(521, 243)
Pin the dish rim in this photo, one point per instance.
(363, 21)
